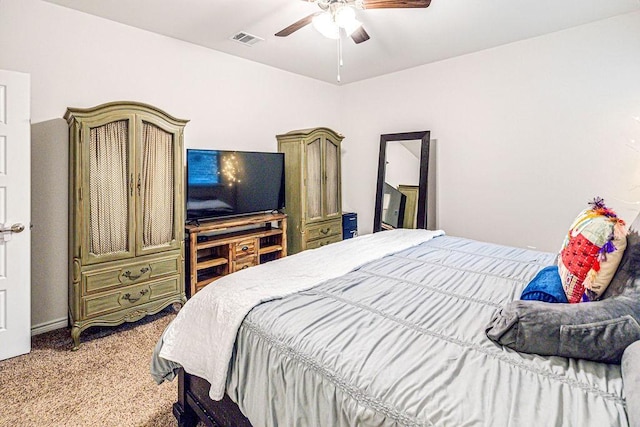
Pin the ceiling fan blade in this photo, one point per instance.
(360, 35)
(297, 25)
(395, 4)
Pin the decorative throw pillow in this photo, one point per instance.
(546, 286)
(599, 330)
(591, 252)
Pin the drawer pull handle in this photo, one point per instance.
(325, 230)
(244, 266)
(128, 297)
(245, 248)
(127, 274)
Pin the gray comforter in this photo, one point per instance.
(400, 341)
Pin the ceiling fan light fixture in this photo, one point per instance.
(326, 26)
(344, 16)
(352, 26)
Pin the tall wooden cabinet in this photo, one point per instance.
(312, 186)
(126, 226)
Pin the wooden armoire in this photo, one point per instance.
(313, 195)
(126, 226)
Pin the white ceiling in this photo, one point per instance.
(400, 38)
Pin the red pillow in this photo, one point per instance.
(591, 252)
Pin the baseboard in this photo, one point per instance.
(49, 326)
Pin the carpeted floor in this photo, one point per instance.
(105, 383)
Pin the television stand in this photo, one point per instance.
(223, 246)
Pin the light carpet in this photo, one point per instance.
(105, 383)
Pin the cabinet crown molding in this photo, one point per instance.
(117, 106)
(306, 132)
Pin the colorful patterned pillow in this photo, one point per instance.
(591, 252)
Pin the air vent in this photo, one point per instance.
(246, 38)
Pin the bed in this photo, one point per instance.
(381, 330)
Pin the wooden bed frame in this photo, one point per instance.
(194, 405)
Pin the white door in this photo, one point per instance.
(15, 215)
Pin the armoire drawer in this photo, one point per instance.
(129, 296)
(323, 242)
(323, 230)
(102, 279)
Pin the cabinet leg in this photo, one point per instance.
(75, 335)
(177, 306)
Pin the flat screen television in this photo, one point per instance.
(227, 183)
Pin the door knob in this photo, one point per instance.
(15, 228)
(6, 232)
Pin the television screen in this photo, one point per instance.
(224, 183)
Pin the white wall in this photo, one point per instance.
(78, 60)
(527, 132)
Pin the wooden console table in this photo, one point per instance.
(220, 247)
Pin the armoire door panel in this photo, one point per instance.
(332, 178)
(157, 188)
(313, 178)
(106, 189)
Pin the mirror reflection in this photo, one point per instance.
(402, 177)
(401, 196)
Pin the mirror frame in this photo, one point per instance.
(424, 136)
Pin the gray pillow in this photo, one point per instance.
(629, 264)
(598, 330)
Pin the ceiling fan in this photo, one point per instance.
(341, 14)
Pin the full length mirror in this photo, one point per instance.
(401, 195)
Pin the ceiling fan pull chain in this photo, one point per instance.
(339, 57)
